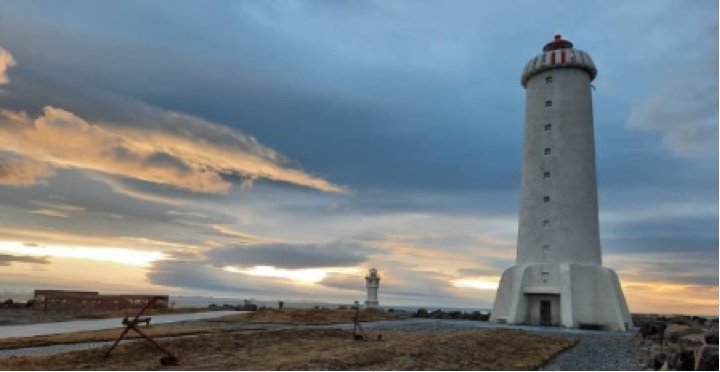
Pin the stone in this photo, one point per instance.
(706, 359)
(455, 314)
(711, 337)
(692, 342)
(674, 332)
(654, 357)
(421, 313)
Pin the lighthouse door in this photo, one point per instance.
(545, 311)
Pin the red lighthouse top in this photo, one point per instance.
(557, 43)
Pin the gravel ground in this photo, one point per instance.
(598, 353)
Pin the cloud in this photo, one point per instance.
(6, 61)
(8, 259)
(21, 171)
(148, 155)
(684, 109)
(292, 256)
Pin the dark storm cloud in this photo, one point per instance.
(191, 275)
(7, 259)
(292, 256)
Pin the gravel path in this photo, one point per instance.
(599, 353)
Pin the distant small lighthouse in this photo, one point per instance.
(558, 277)
(372, 282)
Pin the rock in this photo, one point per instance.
(681, 320)
(675, 331)
(652, 330)
(455, 314)
(654, 357)
(711, 337)
(713, 323)
(692, 342)
(421, 313)
(706, 358)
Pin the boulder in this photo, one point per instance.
(706, 358)
(711, 336)
(713, 322)
(654, 357)
(455, 314)
(421, 313)
(681, 320)
(692, 342)
(675, 331)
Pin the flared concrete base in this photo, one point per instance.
(372, 304)
(570, 295)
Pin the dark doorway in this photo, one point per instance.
(545, 311)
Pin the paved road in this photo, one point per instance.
(28, 330)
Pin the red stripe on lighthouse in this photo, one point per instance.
(562, 57)
(552, 58)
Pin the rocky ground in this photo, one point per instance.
(679, 343)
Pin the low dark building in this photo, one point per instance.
(88, 302)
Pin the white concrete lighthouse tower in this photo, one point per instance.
(372, 282)
(559, 278)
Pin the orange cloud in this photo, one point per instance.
(64, 140)
(6, 61)
(16, 171)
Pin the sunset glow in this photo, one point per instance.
(117, 255)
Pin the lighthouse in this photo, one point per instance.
(372, 282)
(558, 277)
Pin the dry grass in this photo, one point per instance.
(305, 316)
(320, 349)
(104, 335)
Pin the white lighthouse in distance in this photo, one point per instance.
(372, 282)
(559, 278)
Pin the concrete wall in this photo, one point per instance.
(572, 233)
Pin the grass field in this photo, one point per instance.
(320, 349)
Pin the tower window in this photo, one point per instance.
(546, 199)
(547, 151)
(546, 223)
(548, 103)
(546, 175)
(544, 276)
(548, 79)
(548, 127)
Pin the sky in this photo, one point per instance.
(279, 149)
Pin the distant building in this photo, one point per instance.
(372, 282)
(88, 302)
(558, 277)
